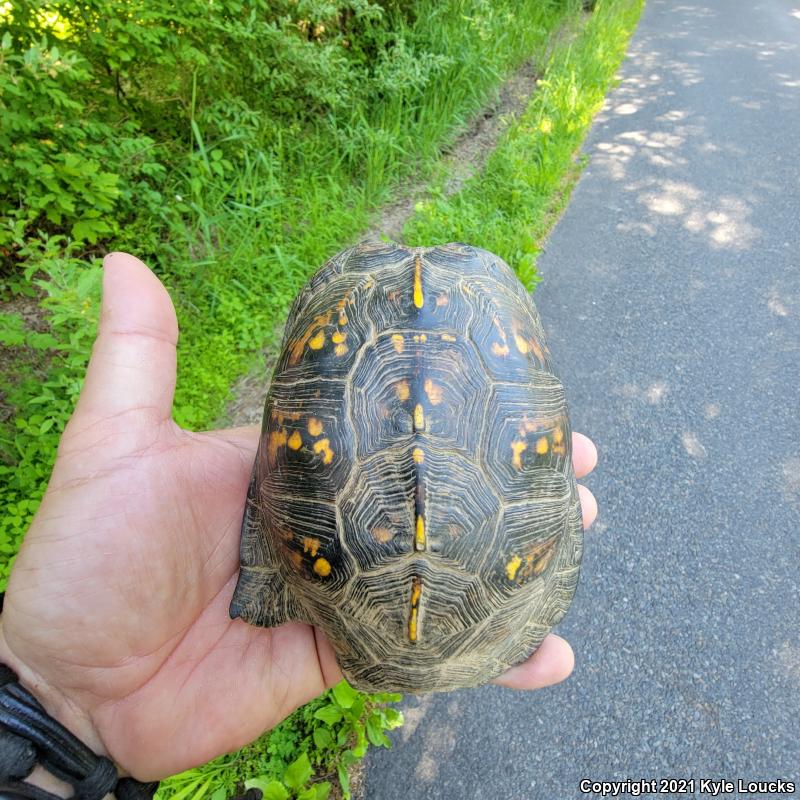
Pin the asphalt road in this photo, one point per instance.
(671, 296)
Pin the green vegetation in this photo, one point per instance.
(511, 205)
(234, 148)
(319, 741)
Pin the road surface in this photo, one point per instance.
(671, 296)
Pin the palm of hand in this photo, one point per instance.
(116, 611)
(133, 609)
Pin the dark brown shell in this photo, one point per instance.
(413, 492)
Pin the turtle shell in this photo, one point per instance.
(413, 492)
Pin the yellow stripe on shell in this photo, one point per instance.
(419, 538)
(412, 625)
(419, 299)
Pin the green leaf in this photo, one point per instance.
(298, 773)
(394, 718)
(190, 788)
(220, 794)
(375, 733)
(322, 737)
(319, 791)
(323, 790)
(345, 694)
(344, 780)
(270, 790)
(329, 714)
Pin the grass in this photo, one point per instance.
(513, 203)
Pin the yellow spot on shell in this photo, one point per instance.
(322, 567)
(558, 436)
(276, 439)
(338, 337)
(433, 391)
(418, 455)
(522, 345)
(310, 545)
(419, 417)
(402, 390)
(420, 337)
(540, 564)
(448, 337)
(542, 445)
(397, 341)
(418, 297)
(342, 318)
(419, 539)
(500, 349)
(340, 349)
(295, 441)
(299, 345)
(317, 341)
(314, 426)
(382, 535)
(512, 567)
(518, 448)
(324, 446)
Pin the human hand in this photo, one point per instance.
(116, 614)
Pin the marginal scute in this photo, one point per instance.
(413, 492)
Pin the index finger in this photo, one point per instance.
(584, 455)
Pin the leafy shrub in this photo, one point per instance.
(66, 167)
(324, 737)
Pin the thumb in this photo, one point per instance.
(134, 360)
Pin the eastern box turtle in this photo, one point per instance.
(413, 492)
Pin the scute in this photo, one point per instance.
(387, 385)
(413, 492)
